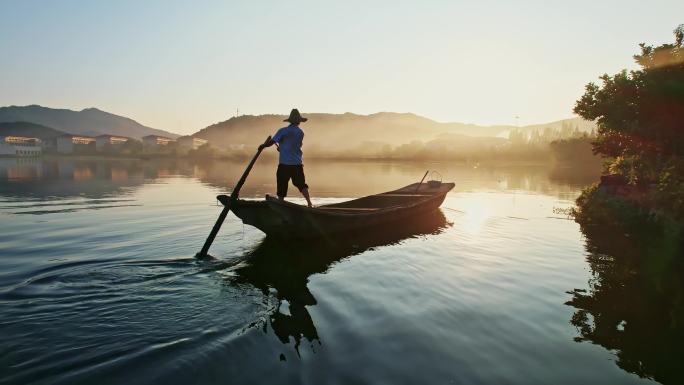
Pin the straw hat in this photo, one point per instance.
(295, 117)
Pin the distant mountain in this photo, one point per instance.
(349, 131)
(28, 129)
(89, 121)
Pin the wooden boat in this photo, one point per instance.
(281, 219)
(284, 219)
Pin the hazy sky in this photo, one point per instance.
(182, 65)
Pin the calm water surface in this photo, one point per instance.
(98, 283)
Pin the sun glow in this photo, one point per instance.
(477, 213)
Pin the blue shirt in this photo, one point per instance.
(290, 140)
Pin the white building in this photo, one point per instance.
(20, 146)
(156, 141)
(68, 144)
(189, 142)
(113, 141)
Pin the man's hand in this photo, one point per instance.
(268, 143)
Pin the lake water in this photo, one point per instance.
(99, 284)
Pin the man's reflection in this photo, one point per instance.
(287, 268)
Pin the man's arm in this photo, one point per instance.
(274, 140)
(270, 142)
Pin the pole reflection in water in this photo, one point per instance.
(635, 302)
(285, 266)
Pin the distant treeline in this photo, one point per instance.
(547, 145)
(567, 130)
(565, 144)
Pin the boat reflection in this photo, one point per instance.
(287, 266)
(635, 302)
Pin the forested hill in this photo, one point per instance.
(89, 121)
(31, 130)
(349, 130)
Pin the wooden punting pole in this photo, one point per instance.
(421, 181)
(226, 206)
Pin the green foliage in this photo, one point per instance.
(132, 147)
(640, 114)
(640, 120)
(670, 190)
(597, 207)
(576, 149)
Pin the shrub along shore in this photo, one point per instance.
(640, 121)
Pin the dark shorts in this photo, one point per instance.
(287, 172)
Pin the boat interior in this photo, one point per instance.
(403, 196)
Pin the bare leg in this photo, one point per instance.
(305, 192)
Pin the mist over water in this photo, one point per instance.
(98, 283)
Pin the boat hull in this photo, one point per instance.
(282, 219)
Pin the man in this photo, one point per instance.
(289, 142)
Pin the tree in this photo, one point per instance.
(640, 114)
(132, 147)
(640, 119)
(204, 151)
